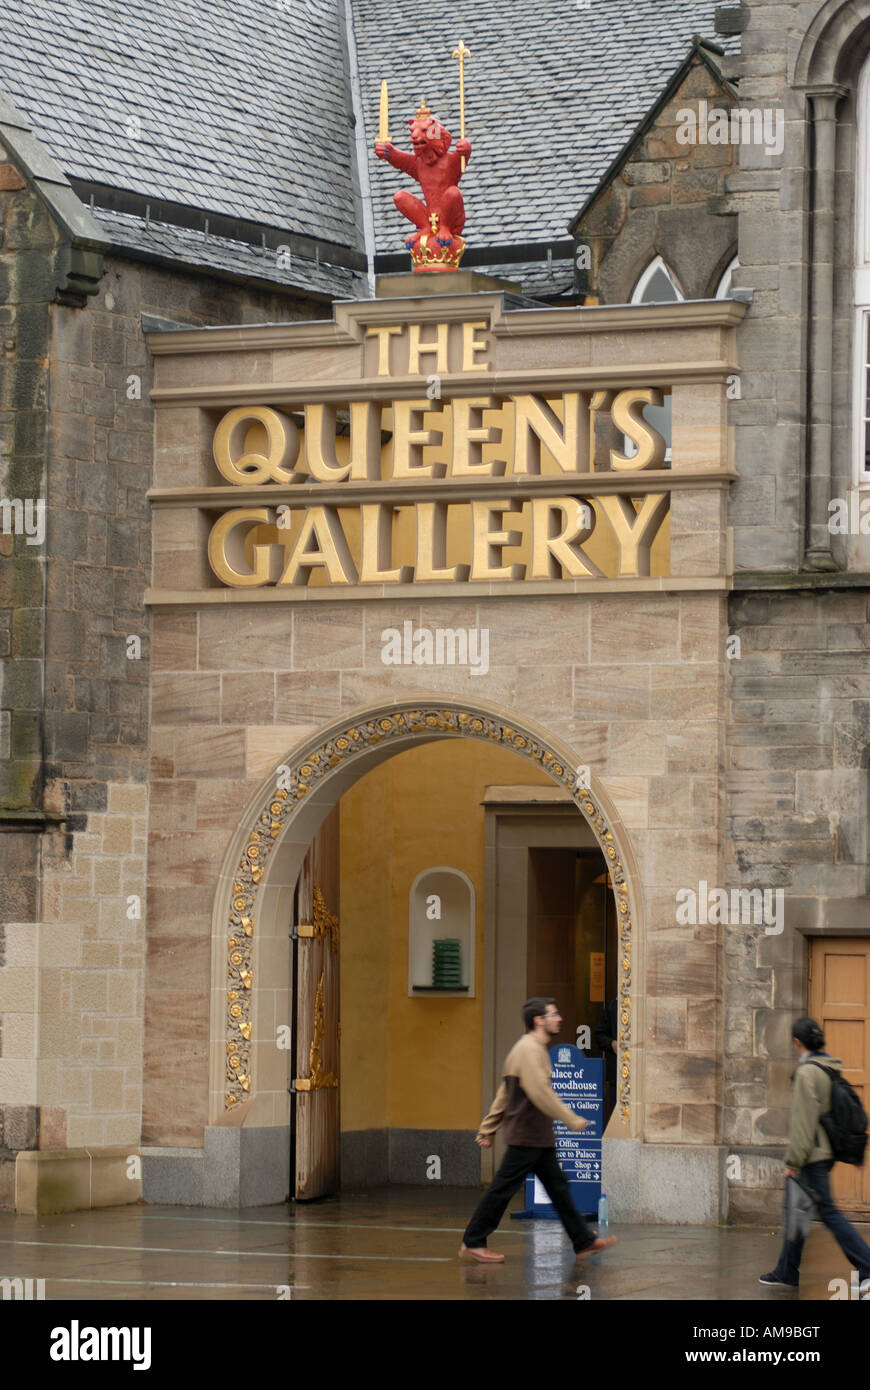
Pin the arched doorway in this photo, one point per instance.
(262, 869)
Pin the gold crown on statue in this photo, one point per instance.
(423, 110)
(428, 254)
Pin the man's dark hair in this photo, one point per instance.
(809, 1033)
(534, 1008)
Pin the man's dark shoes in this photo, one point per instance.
(775, 1282)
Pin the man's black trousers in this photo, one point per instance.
(516, 1163)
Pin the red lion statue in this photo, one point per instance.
(436, 245)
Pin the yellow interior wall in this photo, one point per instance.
(412, 1063)
(366, 829)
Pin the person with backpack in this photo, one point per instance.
(827, 1125)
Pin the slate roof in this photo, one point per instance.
(554, 89)
(537, 278)
(243, 108)
(242, 105)
(163, 241)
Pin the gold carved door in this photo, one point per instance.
(316, 1098)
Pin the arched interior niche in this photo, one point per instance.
(451, 892)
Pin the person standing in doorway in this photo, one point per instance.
(810, 1158)
(606, 1037)
(527, 1105)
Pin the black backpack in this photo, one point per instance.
(846, 1122)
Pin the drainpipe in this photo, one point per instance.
(823, 105)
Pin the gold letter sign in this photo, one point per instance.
(477, 488)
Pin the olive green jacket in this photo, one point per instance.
(811, 1098)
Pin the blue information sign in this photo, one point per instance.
(579, 1082)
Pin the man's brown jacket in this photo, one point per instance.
(526, 1103)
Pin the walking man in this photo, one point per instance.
(527, 1105)
(810, 1157)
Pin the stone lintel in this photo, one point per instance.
(830, 916)
(760, 581)
(446, 489)
(525, 796)
(352, 317)
(326, 593)
(713, 371)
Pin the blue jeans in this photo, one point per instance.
(856, 1250)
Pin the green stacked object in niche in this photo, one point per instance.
(446, 964)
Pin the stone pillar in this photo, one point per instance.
(823, 103)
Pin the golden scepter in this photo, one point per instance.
(385, 114)
(461, 52)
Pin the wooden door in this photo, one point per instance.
(316, 1127)
(840, 999)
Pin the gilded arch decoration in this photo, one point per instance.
(306, 770)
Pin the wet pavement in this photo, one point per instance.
(389, 1244)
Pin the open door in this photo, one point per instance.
(315, 1106)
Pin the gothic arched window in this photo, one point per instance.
(657, 285)
(724, 287)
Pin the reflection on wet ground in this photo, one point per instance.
(392, 1243)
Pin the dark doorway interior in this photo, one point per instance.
(572, 939)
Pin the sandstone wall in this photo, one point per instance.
(77, 431)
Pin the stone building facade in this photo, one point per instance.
(78, 432)
(797, 745)
(624, 675)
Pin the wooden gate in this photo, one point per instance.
(316, 1123)
(840, 999)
